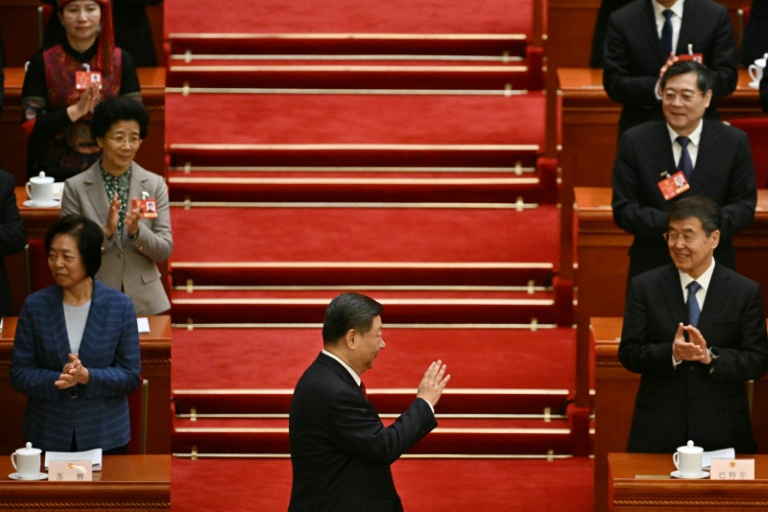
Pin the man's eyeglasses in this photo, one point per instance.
(672, 237)
(686, 96)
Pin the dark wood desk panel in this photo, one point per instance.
(126, 482)
(665, 494)
(13, 151)
(155, 367)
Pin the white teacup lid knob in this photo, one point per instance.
(690, 444)
(41, 175)
(29, 445)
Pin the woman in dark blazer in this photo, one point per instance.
(76, 351)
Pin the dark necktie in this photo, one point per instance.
(685, 164)
(666, 33)
(693, 304)
(362, 388)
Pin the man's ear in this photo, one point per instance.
(715, 237)
(350, 339)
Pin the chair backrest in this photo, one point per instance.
(757, 131)
(38, 274)
(137, 411)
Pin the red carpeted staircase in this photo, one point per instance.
(390, 151)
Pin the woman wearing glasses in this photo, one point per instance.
(115, 192)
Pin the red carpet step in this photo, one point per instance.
(403, 306)
(435, 240)
(477, 436)
(254, 370)
(476, 485)
(357, 72)
(399, 130)
(530, 185)
(334, 26)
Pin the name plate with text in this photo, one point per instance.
(70, 471)
(732, 469)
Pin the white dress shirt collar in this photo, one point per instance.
(703, 280)
(345, 365)
(676, 8)
(695, 136)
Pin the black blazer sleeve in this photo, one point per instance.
(13, 237)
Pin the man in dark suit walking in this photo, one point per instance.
(696, 332)
(714, 159)
(340, 450)
(646, 36)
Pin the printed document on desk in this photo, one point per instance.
(93, 455)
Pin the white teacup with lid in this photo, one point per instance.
(40, 190)
(756, 70)
(26, 462)
(688, 460)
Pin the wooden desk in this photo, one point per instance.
(615, 391)
(13, 151)
(665, 494)
(155, 367)
(127, 482)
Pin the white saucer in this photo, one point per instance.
(702, 474)
(40, 476)
(29, 204)
(754, 85)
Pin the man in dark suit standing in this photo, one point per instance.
(646, 36)
(715, 160)
(696, 332)
(13, 237)
(341, 452)
(755, 42)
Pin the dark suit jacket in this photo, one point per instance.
(340, 450)
(98, 411)
(764, 93)
(633, 55)
(690, 402)
(723, 172)
(755, 43)
(13, 237)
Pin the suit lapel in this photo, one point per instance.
(688, 27)
(58, 326)
(707, 153)
(650, 33)
(93, 325)
(97, 194)
(716, 299)
(661, 152)
(672, 293)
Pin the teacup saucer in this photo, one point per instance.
(30, 204)
(702, 474)
(754, 85)
(40, 476)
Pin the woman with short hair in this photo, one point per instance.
(76, 350)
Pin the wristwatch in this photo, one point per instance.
(715, 354)
(135, 235)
